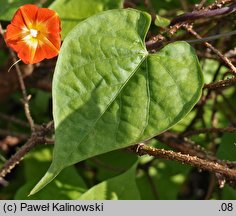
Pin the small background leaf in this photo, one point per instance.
(9, 7)
(227, 151)
(122, 187)
(155, 179)
(72, 12)
(227, 148)
(68, 185)
(228, 193)
(161, 21)
(112, 163)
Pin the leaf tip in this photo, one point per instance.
(47, 178)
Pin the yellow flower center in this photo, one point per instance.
(34, 33)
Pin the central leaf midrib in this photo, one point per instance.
(148, 103)
(108, 105)
(99, 60)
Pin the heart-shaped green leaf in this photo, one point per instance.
(109, 92)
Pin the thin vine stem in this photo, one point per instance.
(26, 97)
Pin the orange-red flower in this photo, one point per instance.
(34, 33)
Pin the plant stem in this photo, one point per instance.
(186, 159)
(22, 86)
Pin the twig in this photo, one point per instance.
(200, 5)
(186, 159)
(220, 84)
(174, 26)
(17, 157)
(49, 141)
(18, 135)
(214, 122)
(154, 40)
(203, 14)
(152, 184)
(228, 113)
(231, 53)
(187, 146)
(210, 187)
(204, 54)
(3, 182)
(129, 4)
(213, 37)
(22, 86)
(209, 130)
(184, 5)
(208, 45)
(38, 137)
(24, 93)
(219, 4)
(227, 101)
(14, 120)
(198, 115)
(202, 102)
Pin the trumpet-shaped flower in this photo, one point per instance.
(34, 33)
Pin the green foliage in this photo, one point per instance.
(109, 92)
(160, 179)
(164, 175)
(9, 7)
(228, 193)
(72, 12)
(3, 58)
(210, 66)
(161, 21)
(114, 94)
(112, 163)
(68, 185)
(122, 187)
(7, 193)
(40, 105)
(227, 148)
